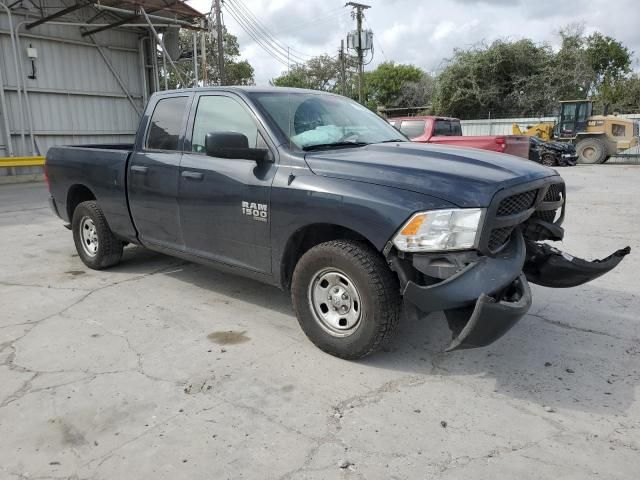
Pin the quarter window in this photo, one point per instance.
(412, 128)
(217, 113)
(166, 124)
(447, 128)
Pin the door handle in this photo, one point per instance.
(139, 169)
(192, 175)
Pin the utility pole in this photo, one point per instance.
(342, 69)
(359, 8)
(203, 55)
(220, 42)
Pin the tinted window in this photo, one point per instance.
(412, 128)
(166, 124)
(221, 114)
(447, 128)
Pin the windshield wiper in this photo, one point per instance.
(393, 140)
(334, 144)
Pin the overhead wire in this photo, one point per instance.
(262, 27)
(275, 48)
(275, 54)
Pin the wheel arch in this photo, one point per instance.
(307, 237)
(77, 194)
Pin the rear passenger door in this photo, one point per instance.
(153, 174)
(224, 203)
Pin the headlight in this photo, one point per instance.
(438, 230)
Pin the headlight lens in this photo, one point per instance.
(437, 230)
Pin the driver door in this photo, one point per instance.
(224, 203)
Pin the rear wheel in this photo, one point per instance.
(591, 151)
(346, 298)
(97, 247)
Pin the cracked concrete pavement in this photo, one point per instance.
(159, 368)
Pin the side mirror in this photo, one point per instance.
(233, 145)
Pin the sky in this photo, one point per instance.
(421, 32)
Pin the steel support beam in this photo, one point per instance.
(161, 43)
(117, 76)
(119, 23)
(53, 16)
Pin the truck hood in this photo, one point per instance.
(466, 177)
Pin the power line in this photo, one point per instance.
(274, 54)
(282, 51)
(261, 26)
(328, 16)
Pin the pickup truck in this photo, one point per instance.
(445, 130)
(314, 193)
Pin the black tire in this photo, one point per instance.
(376, 287)
(108, 249)
(549, 160)
(591, 151)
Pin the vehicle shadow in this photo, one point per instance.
(550, 360)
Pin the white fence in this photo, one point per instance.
(503, 126)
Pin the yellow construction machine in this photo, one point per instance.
(596, 137)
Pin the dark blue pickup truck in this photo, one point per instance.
(314, 193)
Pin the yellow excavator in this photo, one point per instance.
(596, 137)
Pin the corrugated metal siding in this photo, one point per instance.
(503, 126)
(75, 98)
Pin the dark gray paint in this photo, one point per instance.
(370, 190)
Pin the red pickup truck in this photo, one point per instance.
(429, 129)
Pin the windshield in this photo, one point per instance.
(309, 120)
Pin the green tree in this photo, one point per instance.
(524, 78)
(497, 78)
(386, 85)
(319, 73)
(417, 94)
(237, 71)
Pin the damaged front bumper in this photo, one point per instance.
(487, 295)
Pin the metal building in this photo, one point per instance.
(76, 72)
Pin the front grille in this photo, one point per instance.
(499, 237)
(553, 193)
(546, 215)
(509, 210)
(516, 203)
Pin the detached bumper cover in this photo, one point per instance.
(550, 267)
(490, 318)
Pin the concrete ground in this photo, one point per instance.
(168, 370)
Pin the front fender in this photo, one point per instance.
(373, 211)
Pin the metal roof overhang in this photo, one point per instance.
(125, 11)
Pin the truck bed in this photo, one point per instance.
(101, 168)
(517, 145)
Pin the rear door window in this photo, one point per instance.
(447, 128)
(166, 124)
(412, 128)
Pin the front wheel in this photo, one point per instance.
(346, 298)
(97, 247)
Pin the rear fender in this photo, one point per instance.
(550, 267)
